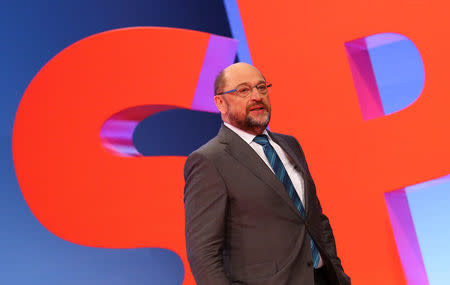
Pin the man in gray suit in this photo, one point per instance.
(252, 214)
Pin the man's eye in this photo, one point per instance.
(261, 87)
(243, 90)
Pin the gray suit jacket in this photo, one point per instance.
(241, 225)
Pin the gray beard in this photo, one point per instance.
(249, 123)
(254, 124)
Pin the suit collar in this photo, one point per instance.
(247, 137)
(288, 149)
(242, 152)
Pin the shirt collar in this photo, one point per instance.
(247, 137)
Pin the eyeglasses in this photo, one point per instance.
(245, 90)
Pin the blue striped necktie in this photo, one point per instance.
(280, 172)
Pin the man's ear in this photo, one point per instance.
(220, 104)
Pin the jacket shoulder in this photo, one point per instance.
(212, 151)
(210, 148)
(288, 138)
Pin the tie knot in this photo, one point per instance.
(261, 139)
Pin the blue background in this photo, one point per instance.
(32, 32)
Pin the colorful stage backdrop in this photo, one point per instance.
(97, 96)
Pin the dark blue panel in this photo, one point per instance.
(175, 132)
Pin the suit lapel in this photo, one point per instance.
(245, 155)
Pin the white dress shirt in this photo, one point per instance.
(294, 175)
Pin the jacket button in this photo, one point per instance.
(309, 263)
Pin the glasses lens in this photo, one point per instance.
(243, 91)
(262, 88)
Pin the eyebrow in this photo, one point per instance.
(246, 83)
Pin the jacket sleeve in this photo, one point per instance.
(330, 247)
(205, 200)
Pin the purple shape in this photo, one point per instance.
(406, 237)
(220, 53)
(116, 133)
(364, 79)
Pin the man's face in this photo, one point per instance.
(252, 113)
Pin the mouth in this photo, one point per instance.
(257, 108)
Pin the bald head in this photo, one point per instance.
(233, 73)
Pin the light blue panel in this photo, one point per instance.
(237, 29)
(430, 209)
(398, 70)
